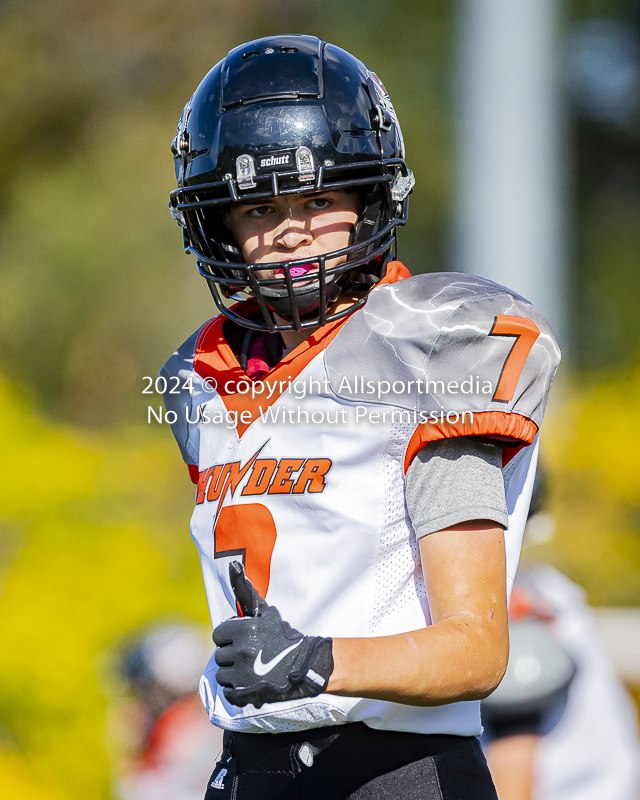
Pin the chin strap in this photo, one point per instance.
(369, 222)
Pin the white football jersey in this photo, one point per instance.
(301, 475)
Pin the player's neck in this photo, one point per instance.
(292, 339)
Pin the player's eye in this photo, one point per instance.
(260, 211)
(318, 203)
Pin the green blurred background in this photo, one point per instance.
(95, 293)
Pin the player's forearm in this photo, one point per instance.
(454, 660)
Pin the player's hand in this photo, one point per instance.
(262, 659)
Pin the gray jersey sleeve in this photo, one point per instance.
(455, 480)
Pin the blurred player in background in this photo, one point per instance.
(363, 442)
(560, 726)
(175, 747)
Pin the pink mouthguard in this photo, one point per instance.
(296, 272)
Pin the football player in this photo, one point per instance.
(363, 442)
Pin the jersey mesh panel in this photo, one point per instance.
(398, 572)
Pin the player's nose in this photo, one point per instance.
(294, 237)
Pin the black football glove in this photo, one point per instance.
(262, 659)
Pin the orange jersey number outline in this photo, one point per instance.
(526, 332)
(247, 531)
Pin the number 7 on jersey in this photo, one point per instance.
(526, 332)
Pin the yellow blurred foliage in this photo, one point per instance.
(591, 441)
(95, 531)
(17, 783)
(599, 432)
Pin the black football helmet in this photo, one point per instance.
(279, 116)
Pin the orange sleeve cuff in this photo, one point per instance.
(194, 473)
(509, 428)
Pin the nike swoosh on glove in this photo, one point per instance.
(262, 659)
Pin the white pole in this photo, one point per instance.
(509, 225)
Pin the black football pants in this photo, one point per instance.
(350, 761)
